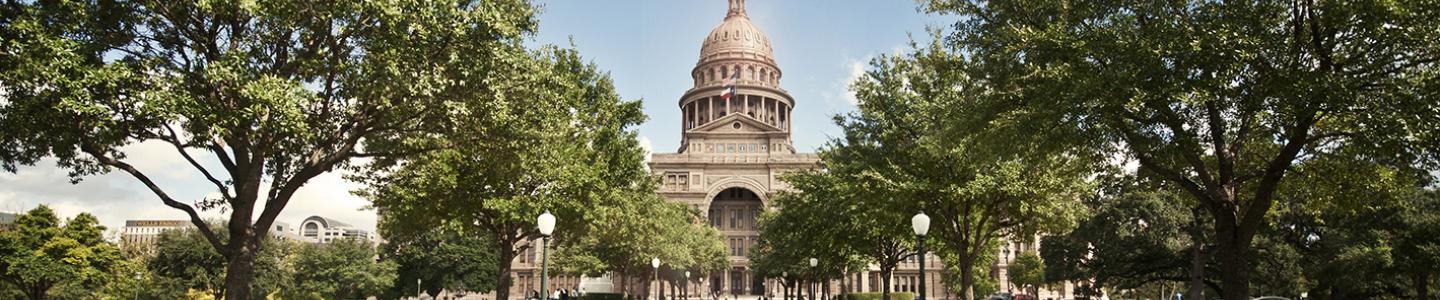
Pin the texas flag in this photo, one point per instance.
(729, 86)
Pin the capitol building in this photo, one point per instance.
(735, 145)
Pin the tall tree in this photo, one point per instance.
(40, 253)
(1418, 245)
(185, 257)
(1347, 218)
(623, 237)
(556, 137)
(1027, 271)
(1220, 98)
(258, 97)
(1136, 235)
(975, 190)
(343, 269)
(443, 258)
(839, 215)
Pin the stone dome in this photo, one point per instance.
(736, 38)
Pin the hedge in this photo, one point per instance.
(878, 296)
(603, 296)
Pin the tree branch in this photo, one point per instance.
(195, 219)
(174, 140)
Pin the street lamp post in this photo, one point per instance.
(547, 226)
(685, 289)
(784, 288)
(921, 224)
(655, 263)
(813, 262)
(137, 285)
(1009, 286)
(417, 288)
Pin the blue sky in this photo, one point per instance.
(650, 46)
(647, 46)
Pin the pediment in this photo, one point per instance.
(727, 123)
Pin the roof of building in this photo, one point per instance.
(736, 35)
(328, 222)
(156, 223)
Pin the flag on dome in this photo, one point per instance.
(729, 86)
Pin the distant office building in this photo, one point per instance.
(7, 221)
(317, 229)
(285, 231)
(142, 234)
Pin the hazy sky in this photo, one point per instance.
(647, 46)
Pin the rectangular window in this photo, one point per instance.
(752, 148)
(733, 215)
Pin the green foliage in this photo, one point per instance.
(184, 260)
(251, 93)
(1136, 234)
(343, 269)
(822, 218)
(40, 256)
(986, 281)
(907, 147)
(1217, 98)
(880, 296)
(539, 131)
(1027, 271)
(603, 296)
(1348, 218)
(442, 259)
(624, 237)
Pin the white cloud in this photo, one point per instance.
(116, 196)
(329, 195)
(649, 150)
(857, 69)
(837, 93)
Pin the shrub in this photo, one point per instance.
(878, 296)
(603, 296)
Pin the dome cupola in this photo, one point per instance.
(736, 37)
(737, 95)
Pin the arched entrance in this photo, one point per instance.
(735, 211)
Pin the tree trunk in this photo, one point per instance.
(1197, 272)
(506, 248)
(240, 270)
(624, 283)
(37, 292)
(1234, 253)
(809, 285)
(1422, 285)
(967, 276)
(885, 282)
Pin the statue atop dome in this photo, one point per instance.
(737, 8)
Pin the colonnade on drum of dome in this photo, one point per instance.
(770, 107)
